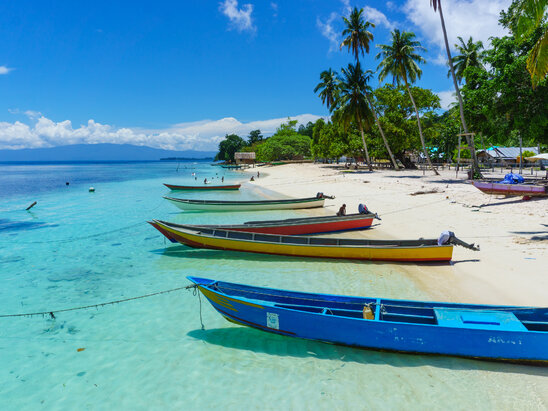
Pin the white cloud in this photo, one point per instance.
(200, 135)
(5, 70)
(240, 19)
(274, 7)
(346, 7)
(375, 16)
(447, 99)
(465, 18)
(329, 32)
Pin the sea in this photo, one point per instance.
(75, 248)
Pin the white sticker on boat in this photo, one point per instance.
(272, 321)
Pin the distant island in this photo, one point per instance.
(101, 152)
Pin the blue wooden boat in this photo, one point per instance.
(518, 334)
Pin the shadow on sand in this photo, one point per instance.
(242, 338)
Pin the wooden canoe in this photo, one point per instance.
(308, 246)
(204, 187)
(496, 188)
(218, 205)
(292, 226)
(518, 334)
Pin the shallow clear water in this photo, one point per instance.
(76, 248)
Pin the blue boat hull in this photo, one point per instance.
(490, 332)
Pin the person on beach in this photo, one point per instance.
(258, 174)
(251, 179)
(342, 211)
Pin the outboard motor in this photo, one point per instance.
(319, 195)
(362, 209)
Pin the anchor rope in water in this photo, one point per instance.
(52, 313)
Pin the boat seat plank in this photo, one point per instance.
(486, 319)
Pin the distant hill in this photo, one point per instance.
(100, 152)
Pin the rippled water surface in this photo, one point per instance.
(76, 248)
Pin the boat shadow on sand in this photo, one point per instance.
(187, 252)
(256, 341)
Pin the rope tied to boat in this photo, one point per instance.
(194, 292)
(51, 314)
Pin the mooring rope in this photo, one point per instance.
(52, 313)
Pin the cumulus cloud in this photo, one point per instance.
(200, 135)
(447, 99)
(465, 18)
(329, 32)
(375, 16)
(240, 18)
(5, 70)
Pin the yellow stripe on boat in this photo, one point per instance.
(388, 253)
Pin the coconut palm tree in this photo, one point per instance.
(530, 15)
(357, 41)
(353, 107)
(401, 60)
(356, 36)
(471, 55)
(328, 87)
(436, 4)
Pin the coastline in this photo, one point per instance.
(509, 268)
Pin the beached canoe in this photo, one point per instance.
(204, 187)
(218, 205)
(533, 189)
(292, 226)
(518, 334)
(311, 246)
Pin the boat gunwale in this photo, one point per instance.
(250, 202)
(277, 223)
(328, 298)
(175, 187)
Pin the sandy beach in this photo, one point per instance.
(509, 269)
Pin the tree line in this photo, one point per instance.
(502, 96)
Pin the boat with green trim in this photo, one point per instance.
(225, 205)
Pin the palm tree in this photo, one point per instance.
(469, 137)
(352, 105)
(530, 15)
(357, 41)
(357, 36)
(329, 88)
(470, 56)
(401, 60)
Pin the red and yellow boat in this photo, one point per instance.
(309, 246)
(293, 226)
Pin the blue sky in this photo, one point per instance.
(180, 75)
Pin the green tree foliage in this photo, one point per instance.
(470, 55)
(356, 36)
(230, 145)
(306, 130)
(285, 144)
(501, 102)
(396, 115)
(254, 137)
(401, 60)
(330, 140)
(328, 88)
(526, 19)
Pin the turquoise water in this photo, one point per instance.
(77, 248)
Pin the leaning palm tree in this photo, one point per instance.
(353, 107)
(401, 60)
(357, 41)
(471, 55)
(328, 88)
(469, 137)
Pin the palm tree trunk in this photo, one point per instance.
(364, 144)
(420, 130)
(469, 138)
(381, 131)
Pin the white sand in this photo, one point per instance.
(511, 267)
